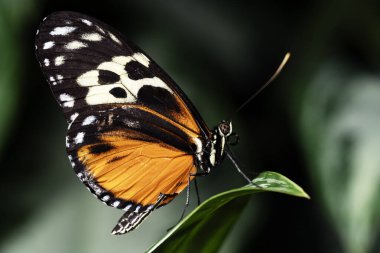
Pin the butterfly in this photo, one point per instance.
(134, 138)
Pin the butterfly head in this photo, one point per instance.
(225, 128)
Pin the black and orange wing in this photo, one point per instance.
(132, 134)
(129, 157)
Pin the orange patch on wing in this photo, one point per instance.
(185, 117)
(136, 170)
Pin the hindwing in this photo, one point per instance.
(131, 160)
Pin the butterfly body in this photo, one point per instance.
(134, 138)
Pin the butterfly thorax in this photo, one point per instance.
(213, 153)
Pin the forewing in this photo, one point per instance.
(87, 62)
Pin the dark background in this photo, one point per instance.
(318, 123)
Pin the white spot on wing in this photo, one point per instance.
(74, 116)
(59, 60)
(46, 62)
(112, 66)
(98, 191)
(116, 203)
(52, 79)
(100, 95)
(73, 45)
(123, 60)
(135, 85)
(141, 58)
(92, 36)
(87, 22)
(72, 163)
(89, 78)
(88, 120)
(59, 77)
(68, 101)
(67, 142)
(114, 38)
(79, 138)
(48, 45)
(100, 29)
(64, 30)
(127, 207)
(105, 197)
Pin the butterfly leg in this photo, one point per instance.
(197, 191)
(186, 204)
(188, 195)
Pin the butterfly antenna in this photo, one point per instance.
(280, 67)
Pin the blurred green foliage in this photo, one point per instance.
(342, 140)
(318, 123)
(12, 20)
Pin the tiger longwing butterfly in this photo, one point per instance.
(134, 138)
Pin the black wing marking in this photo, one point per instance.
(88, 126)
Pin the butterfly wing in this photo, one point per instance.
(132, 132)
(131, 154)
(87, 62)
(128, 161)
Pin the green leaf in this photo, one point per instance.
(206, 227)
